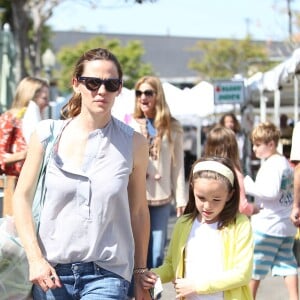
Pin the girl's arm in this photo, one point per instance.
(39, 269)
(140, 220)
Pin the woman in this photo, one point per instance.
(95, 192)
(229, 120)
(31, 94)
(165, 174)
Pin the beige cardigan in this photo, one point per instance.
(171, 182)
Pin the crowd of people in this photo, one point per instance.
(112, 185)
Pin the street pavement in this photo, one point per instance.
(272, 288)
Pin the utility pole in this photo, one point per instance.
(247, 22)
(290, 20)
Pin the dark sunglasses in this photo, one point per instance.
(147, 93)
(94, 83)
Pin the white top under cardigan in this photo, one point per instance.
(203, 258)
(86, 216)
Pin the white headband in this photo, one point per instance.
(216, 167)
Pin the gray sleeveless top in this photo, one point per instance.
(86, 215)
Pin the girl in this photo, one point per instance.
(210, 253)
(221, 141)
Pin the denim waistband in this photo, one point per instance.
(79, 267)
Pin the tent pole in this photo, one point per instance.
(263, 108)
(296, 92)
(276, 106)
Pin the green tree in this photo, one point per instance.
(222, 59)
(129, 56)
(27, 19)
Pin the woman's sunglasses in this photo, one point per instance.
(147, 93)
(94, 83)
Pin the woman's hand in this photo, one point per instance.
(148, 280)
(144, 282)
(295, 216)
(43, 274)
(179, 211)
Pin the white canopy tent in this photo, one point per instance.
(197, 101)
(279, 85)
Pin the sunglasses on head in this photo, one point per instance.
(94, 83)
(147, 93)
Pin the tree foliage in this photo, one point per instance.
(222, 59)
(129, 56)
(27, 19)
(28, 22)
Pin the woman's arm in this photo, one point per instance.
(140, 220)
(40, 270)
(295, 215)
(177, 173)
(9, 158)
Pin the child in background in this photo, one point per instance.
(273, 230)
(221, 141)
(211, 249)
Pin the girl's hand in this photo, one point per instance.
(148, 280)
(43, 274)
(184, 287)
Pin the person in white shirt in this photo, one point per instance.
(273, 231)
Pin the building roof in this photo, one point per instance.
(168, 55)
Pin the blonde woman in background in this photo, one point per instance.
(165, 174)
(16, 124)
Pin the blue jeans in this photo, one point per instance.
(85, 281)
(159, 218)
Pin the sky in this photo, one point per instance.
(262, 19)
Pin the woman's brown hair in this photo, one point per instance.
(221, 141)
(73, 107)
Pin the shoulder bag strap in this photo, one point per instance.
(40, 192)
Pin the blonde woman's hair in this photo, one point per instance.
(27, 90)
(163, 120)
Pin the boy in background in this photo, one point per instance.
(273, 230)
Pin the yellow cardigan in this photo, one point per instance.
(237, 258)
